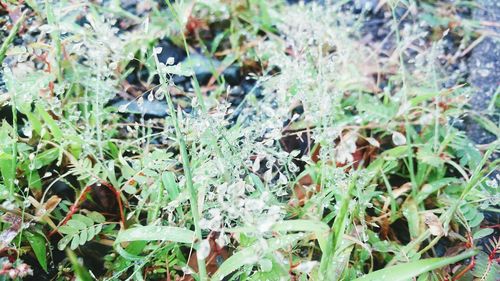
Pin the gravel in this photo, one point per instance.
(484, 66)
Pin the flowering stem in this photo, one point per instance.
(187, 169)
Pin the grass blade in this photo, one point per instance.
(10, 37)
(412, 269)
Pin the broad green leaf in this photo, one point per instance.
(156, 233)
(252, 254)
(406, 271)
(5, 156)
(98, 228)
(7, 172)
(37, 243)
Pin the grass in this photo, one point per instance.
(335, 157)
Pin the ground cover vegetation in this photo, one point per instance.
(244, 140)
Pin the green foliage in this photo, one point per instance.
(413, 269)
(37, 242)
(80, 229)
(342, 158)
(485, 269)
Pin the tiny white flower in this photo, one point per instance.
(157, 50)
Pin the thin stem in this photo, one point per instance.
(10, 37)
(193, 196)
(411, 168)
(197, 89)
(55, 37)
(14, 146)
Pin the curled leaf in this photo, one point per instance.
(398, 138)
(434, 224)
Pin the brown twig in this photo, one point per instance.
(72, 210)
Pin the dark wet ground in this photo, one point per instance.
(484, 71)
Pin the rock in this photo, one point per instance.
(204, 68)
(149, 109)
(3, 88)
(170, 50)
(484, 66)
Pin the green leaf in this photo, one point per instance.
(97, 217)
(487, 124)
(434, 186)
(83, 237)
(51, 123)
(252, 254)
(372, 109)
(427, 156)
(7, 172)
(170, 185)
(482, 233)
(476, 220)
(37, 243)
(64, 242)
(406, 271)
(91, 232)
(396, 152)
(76, 224)
(156, 233)
(257, 182)
(485, 270)
(81, 218)
(410, 212)
(69, 230)
(74, 242)
(45, 158)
